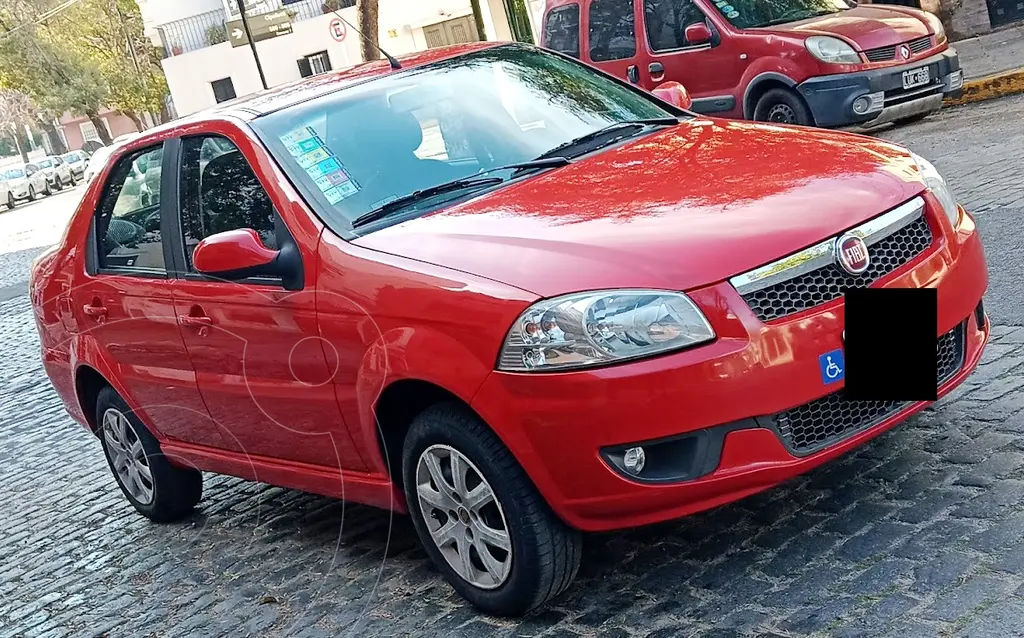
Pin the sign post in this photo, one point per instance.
(252, 43)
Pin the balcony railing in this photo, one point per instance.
(207, 29)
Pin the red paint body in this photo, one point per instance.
(726, 67)
(282, 387)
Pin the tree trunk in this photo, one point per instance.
(478, 18)
(101, 128)
(368, 24)
(140, 126)
(56, 141)
(21, 141)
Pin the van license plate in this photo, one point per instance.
(915, 78)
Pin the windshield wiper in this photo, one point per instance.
(473, 181)
(619, 127)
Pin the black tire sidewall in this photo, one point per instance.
(773, 97)
(515, 595)
(175, 489)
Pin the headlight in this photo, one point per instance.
(939, 188)
(936, 26)
(595, 328)
(829, 49)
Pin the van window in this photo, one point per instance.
(612, 30)
(562, 30)
(667, 21)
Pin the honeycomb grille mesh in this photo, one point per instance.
(827, 283)
(825, 421)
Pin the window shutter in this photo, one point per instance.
(327, 61)
(305, 69)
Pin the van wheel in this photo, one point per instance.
(158, 490)
(782, 106)
(479, 517)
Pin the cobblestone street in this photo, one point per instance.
(917, 534)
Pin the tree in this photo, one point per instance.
(16, 111)
(369, 14)
(478, 19)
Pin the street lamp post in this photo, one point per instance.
(252, 43)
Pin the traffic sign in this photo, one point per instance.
(338, 30)
(264, 26)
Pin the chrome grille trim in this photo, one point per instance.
(823, 253)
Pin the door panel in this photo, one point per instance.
(256, 349)
(133, 320)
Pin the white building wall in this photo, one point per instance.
(401, 25)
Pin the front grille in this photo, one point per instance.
(823, 422)
(884, 54)
(827, 283)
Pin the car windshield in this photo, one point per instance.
(360, 148)
(750, 14)
(44, 163)
(14, 173)
(72, 157)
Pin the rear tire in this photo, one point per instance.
(543, 553)
(156, 489)
(782, 106)
(31, 193)
(49, 191)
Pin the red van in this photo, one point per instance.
(827, 63)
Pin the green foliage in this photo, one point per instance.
(90, 56)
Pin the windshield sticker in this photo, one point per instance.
(338, 193)
(298, 135)
(727, 9)
(323, 168)
(315, 157)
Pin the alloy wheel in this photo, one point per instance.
(127, 456)
(465, 520)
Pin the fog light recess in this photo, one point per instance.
(869, 103)
(633, 460)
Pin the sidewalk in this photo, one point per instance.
(991, 53)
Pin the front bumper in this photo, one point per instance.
(20, 191)
(558, 424)
(831, 98)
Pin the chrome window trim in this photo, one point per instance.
(823, 253)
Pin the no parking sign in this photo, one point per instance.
(338, 30)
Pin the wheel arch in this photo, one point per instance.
(761, 84)
(88, 384)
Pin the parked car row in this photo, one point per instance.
(44, 176)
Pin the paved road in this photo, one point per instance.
(917, 534)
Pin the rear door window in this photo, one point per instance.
(612, 30)
(562, 30)
(127, 222)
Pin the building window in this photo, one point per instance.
(89, 133)
(223, 90)
(314, 64)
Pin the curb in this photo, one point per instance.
(990, 87)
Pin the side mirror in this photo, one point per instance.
(675, 94)
(697, 33)
(239, 254)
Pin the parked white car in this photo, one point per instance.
(76, 161)
(58, 173)
(22, 183)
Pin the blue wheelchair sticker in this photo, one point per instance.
(833, 368)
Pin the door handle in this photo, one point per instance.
(95, 312)
(195, 322)
(633, 74)
(656, 68)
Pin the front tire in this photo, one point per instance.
(158, 490)
(10, 201)
(479, 517)
(782, 106)
(31, 193)
(49, 191)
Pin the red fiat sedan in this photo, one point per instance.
(494, 288)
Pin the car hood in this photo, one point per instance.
(868, 27)
(17, 181)
(685, 207)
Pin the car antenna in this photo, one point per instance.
(394, 61)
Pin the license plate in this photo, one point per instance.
(917, 77)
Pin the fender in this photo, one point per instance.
(753, 83)
(87, 352)
(413, 354)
